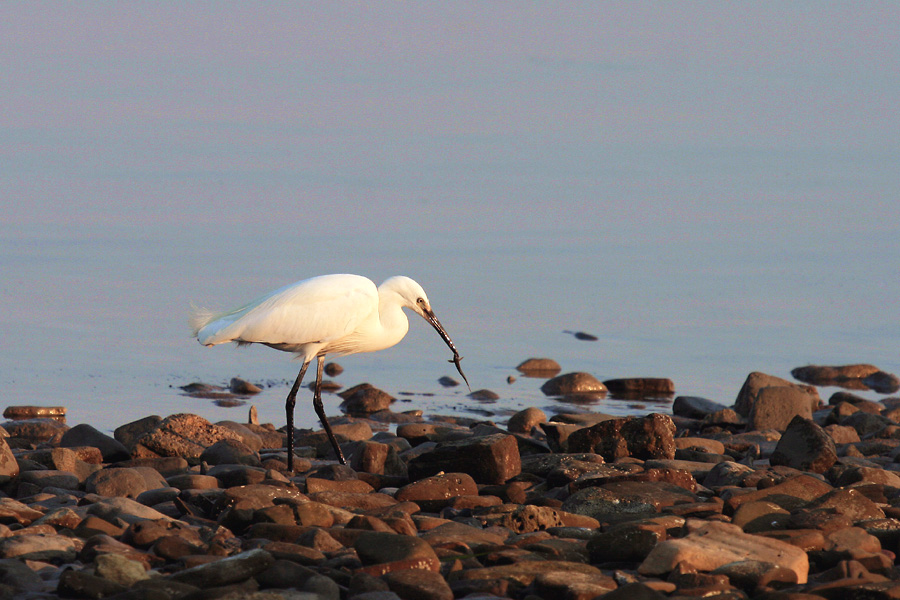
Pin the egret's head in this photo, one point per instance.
(411, 294)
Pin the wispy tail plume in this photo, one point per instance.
(199, 318)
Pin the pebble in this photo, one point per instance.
(698, 504)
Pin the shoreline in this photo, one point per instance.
(781, 495)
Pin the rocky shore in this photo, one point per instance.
(779, 497)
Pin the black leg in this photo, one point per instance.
(320, 410)
(289, 411)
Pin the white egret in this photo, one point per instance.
(329, 314)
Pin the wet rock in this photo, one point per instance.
(832, 375)
(365, 401)
(539, 367)
(647, 437)
(85, 435)
(243, 387)
(17, 413)
(805, 446)
(756, 381)
(694, 407)
(333, 369)
(640, 386)
(573, 383)
(484, 395)
(490, 459)
(883, 383)
(526, 420)
(448, 381)
(712, 545)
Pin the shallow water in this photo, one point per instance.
(708, 195)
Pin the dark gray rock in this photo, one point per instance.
(805, 446)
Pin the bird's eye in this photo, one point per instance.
(420, 301)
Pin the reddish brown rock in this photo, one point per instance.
(647, 437)
(640, 386)
(434, 492)
(526, 420)
(712, 545)
(805, 446)
(539, 367)
(756, 381)
(183, 435)
(775, 407)
(490, 459)
(388, 552)
(832, 375)
(573, 384)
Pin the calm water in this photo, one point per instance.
(710, 193)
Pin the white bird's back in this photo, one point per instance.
(340, 314)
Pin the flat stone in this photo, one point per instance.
(640, 386)
(230, 452)
(522, 574)
(823, 375)
(713, 544)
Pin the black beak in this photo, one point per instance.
(429, 316)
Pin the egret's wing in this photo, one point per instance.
(315, 310)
